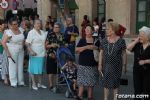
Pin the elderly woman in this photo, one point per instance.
(36, 45)
(141, 69)
(26, 27)
(13, 42)
(3, 56)
(111, 60)
(53, 41)
(87, 74)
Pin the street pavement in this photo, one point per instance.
(25, 93)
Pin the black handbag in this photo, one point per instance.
(123, 81)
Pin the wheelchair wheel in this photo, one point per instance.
(54, 90)
(67, 94)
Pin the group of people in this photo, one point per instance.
(40, 47)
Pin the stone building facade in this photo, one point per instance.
(132, 14)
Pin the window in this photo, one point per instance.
(142, 11)
(143, 14)
(101, 9)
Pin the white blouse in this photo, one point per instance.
(37, 42)
(15, 41)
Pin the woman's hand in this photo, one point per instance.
(137, 40)
(33, 53)
(141, 62)
(81, 49)
(92, 47)
(124, 69)
(9, 55)
(100, 70)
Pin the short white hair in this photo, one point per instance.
(146, 31)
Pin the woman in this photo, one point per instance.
(53, 41)
(96, 27)
(13, 42)
(85, 23)
(47, 26)
(111, 60)
(141, 67)
(87, 74)
(35, 43)
(4, 60)
(26, 27)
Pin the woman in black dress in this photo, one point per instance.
(112, 60)
(141, 67)
(87, 74)
(53, 41)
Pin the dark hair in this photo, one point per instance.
(69, 59)
(52, 24)
(13, 20)
(58, 24)
(85, 17)
(49, 17)
(110, 20)
(1, 22)
(28, 24)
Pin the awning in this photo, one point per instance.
(72, 5)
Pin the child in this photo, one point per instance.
(71, 71)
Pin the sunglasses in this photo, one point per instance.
(14, 24)
(56, 27)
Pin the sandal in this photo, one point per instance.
(78, 98)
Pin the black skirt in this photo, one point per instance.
(51, 65)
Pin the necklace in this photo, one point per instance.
(108, 47)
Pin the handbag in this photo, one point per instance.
(73, 35)
(96, 55)
(96, 52)
(123, 81)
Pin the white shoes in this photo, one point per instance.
(14, 86)
(41, 86)
(34, 87)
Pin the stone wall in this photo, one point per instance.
(120, 11)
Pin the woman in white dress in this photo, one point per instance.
(36, 45)
(13, 42)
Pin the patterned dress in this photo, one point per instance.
(51, 64)
(112, 62)
(87, 73)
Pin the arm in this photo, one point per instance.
(81, 49)
(64, 67)
(147, 61)
(132, 45)
(124, 55)
(30, 50)
(4, 41)
(143, 62)
(75, 64)
(48, 46)
(100, 60)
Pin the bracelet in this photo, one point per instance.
(144, 61)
